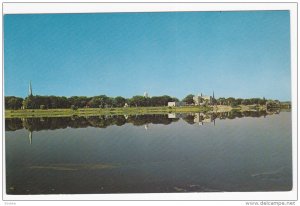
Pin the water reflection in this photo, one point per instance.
(38, 124)
(30, 137)
(189, 154)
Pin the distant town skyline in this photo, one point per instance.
(233, 54)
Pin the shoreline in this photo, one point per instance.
(36, 113)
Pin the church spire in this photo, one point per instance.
(30, 89)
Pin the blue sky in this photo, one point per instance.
(238, 54)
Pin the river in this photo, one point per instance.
(195, 152)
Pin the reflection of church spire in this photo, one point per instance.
(146, 126)
(30, 137)
(30, 89)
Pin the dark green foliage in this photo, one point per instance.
(49, 102)
(37, 124)
(12, 102)
(103, 101)
(119, 101)
(189, 99)
(79, 101)
(141, 101)
(73, 107)
(239, 101)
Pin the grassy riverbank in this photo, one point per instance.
(226, 108)
(25, 113)
(28, 113)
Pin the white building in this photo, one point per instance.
(171, 104)
(202, 99)
(176, 104)
(146, 94)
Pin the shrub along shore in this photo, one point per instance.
(31, 113)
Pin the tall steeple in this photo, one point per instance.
(30, 89)
(213, 94)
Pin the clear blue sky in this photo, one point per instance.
(238, 54)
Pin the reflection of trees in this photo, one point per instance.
(236, 114)
(255, 113)
(37, 124)
(105, 121)
(13, 124)
(276, 110)
(210, 117)
(189, 119)
(154, 119)
(119, 120)
(239, 114)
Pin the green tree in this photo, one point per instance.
(189, 99)
(79, 101)
(12, 102)
(28, 103)
(119, 101)
(262, 101)
(137, 101)
(238, 101)
(230, 100)
(95, 102)
(246, 102)
(221, 101)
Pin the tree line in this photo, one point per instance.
(103, 101)
(74, 102)
(230, 101)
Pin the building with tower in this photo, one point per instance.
(30, 95)
(204, 99)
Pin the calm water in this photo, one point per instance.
(149, 153)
